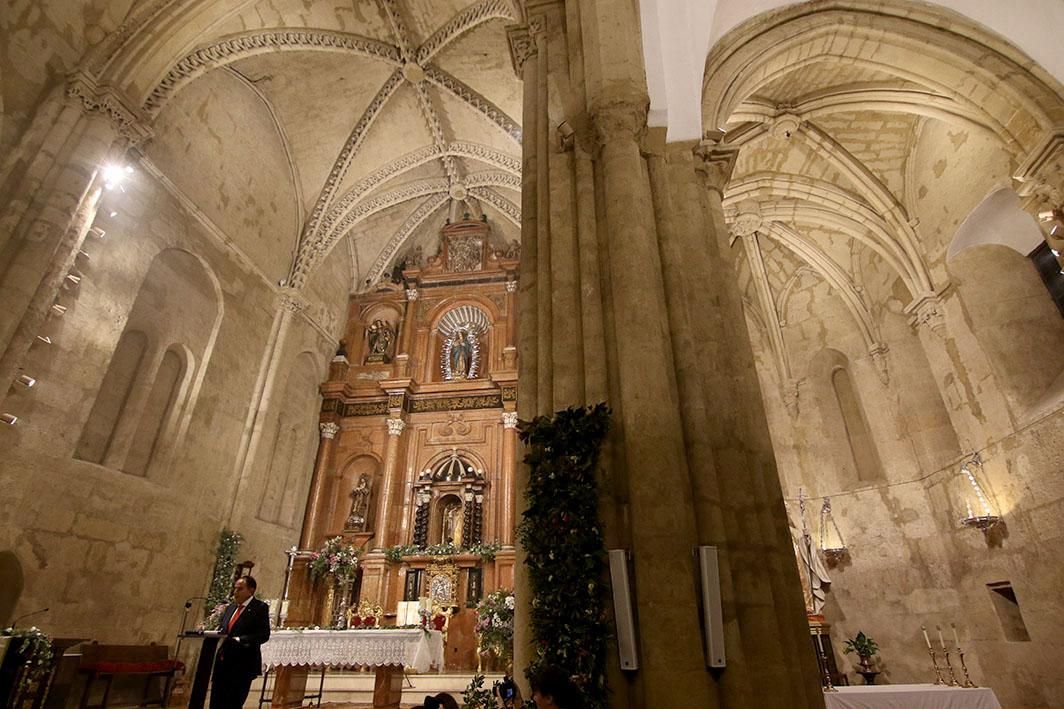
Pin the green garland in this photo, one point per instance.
(224, 566)
(566, 555)
(35, 651)
(486, 551)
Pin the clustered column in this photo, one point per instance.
(627, 293)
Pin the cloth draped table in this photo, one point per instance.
(417, 649)
(911, 696)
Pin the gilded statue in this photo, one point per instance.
(356, 519)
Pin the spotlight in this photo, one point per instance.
(97, 232)
(45, 339)
(58, 309)
(72, 279)
(26, 380)
(115, 175)
(112, 214)
(9, 419)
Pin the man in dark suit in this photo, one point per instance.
(246, 626)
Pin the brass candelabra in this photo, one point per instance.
(949, 666)
(938, 670)
(968, 683)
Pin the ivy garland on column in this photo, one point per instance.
(566, 556)
(224, 565)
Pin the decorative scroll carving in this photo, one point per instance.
(228, 50)
(456, 403)
(366, 408)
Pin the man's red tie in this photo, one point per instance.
(232, 621)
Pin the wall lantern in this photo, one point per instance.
(978, 512)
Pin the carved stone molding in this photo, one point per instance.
(928, 311)
(396, 426)
(715, 163)
(879, 359)
(485, 107)
(509, 419)
(522, 47)
(618, 121)
(509, 210)
(469, 18)
(226, 51)
(93, 98)
(328, 430)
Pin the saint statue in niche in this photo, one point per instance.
(452, 524)
(461, 355)
(380, 336)
(811, 570)
(356, 519)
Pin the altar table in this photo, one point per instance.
(388, 650)
(911, 696)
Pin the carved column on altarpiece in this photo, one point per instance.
(316, 500)
(507, 518)
(396, 426)
(509, 353)
(406, 337)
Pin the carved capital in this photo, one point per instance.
(1040, 178)
(411, 293)
(94, 98)
(928, 311)
(748, 221)
(292, 300)
(619, 121)
(328, 430)
(511, 286)
(522, 45)
(715, 162)
(509, 419)
(878, 354)
(396, 426)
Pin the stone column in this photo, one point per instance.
(46, 236)
(509, 464)
(316, 500)
(391, 456)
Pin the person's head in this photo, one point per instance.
(446, 701)
(244, 588)
(552, 688)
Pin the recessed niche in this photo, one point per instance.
(1008, 612)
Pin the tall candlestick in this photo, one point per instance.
(941, 641)
(956, 640)
(926, 639)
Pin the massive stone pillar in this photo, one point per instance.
(627, 294)
(318, 486)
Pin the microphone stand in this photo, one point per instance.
(184, 622)
(24, 616)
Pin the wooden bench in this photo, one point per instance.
(105, 662)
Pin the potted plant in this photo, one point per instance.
(866, 648)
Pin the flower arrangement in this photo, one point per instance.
(495, 623)
(566, 554)
(863, 645)
(35, 649)
(336, 558)
(485, 550)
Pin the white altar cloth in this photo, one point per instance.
(911, 696)
(416, 649)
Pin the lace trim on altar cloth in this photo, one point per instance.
(413, 649)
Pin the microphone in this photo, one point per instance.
(188, 602)
(28, 615)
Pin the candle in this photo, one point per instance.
(820, 642)
(926, 639)
(940, 640)
(956, 640)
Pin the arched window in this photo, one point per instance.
(159, 411)
(117, 383)
(862, 447)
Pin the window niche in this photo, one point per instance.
(847, 440)
(147, 390)
(1007, 608)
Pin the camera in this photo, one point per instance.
(506, 690)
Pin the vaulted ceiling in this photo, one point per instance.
(369, 121)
